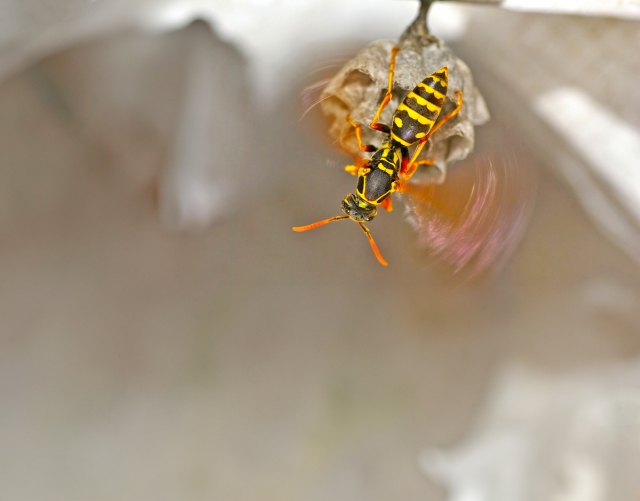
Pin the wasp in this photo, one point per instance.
(390, 167)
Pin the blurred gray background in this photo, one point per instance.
(165, 335)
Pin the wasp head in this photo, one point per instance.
(358, 209)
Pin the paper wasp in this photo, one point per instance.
(390, 167)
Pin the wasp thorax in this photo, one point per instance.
(358, 209)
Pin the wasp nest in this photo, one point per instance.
(359, 87)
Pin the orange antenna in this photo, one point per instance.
(373, 244)
(376, 251)
(319, 223)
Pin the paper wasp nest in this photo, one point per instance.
(361, 84)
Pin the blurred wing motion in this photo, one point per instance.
(311, 95)
(475, 219)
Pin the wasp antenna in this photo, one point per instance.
(373, 245)
(319, 223)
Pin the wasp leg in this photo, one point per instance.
(411, 168)
(386, 204)
(360, 166)
(414, 166)
(405, 161)
(448, 116)
(408, 169)
(387, 97)
(369, 148)
(426, 161)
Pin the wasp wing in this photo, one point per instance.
(324, 72)
(311, 95)
(477, 216)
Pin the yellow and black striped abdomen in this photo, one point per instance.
(419, 111)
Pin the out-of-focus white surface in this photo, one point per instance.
(572, 438)
(610, 147)
(617, 8)
(210, 162)
(279, 35)
(274, 35)
(249, 362)
(608, 144)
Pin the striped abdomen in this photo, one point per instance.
(416, 115)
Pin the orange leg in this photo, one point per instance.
(413, 165)
(387, 97)
(382, 261)
(387, 204)
(362, 147)
(448, 116)
(358, 164)
(351, 169)
(374, 123)
(411, 170)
